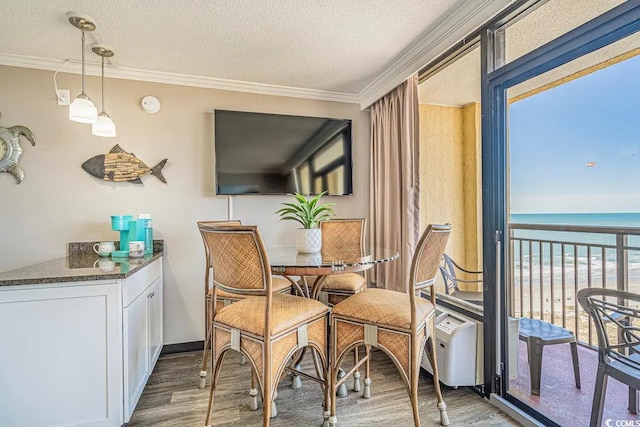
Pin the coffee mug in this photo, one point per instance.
(104, 265)
(104, 248)
(136, 249)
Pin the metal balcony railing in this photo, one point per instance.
(550, 263)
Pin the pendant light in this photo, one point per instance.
(82, 109)
(104, 126)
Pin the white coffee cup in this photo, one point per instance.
(136, 249)
(104, 265)
(104, 248)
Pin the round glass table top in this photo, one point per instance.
(346, 257)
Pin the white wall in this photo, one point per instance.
(59, 202)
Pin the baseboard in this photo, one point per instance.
(182, 347)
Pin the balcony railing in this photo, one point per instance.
(550, 263)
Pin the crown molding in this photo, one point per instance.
(462, 21)
(74, 66)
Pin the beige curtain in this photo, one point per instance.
(394, 209)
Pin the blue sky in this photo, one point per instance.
(552, 135)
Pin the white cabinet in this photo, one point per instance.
(156, 335)
(61, 355)
(142, 321)
(78, 353)
(136, 349)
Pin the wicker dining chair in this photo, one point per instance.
(399, 324)
(279, 284)
(339, 235)
(267, 327)
(336, 235)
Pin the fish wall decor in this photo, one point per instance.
(120, 166)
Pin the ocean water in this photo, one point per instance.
(630, 219)
(596, 266)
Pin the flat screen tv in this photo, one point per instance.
(258, 153)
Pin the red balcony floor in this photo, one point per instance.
(559, 398)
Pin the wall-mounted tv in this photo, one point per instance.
(258, 153)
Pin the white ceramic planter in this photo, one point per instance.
(308, 241)
(313, 259)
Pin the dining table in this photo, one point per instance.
(288, 262)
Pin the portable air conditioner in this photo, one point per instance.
(459, 349)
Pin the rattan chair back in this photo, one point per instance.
(206, 248)
(343, 238)
(426, 259)
(207, 257)
(207, 272)
(238, 258)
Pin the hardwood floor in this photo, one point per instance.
(172, 398)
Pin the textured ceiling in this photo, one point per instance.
(330, 45)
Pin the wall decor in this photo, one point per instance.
(10, 149)
(121, 166)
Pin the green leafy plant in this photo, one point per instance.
(306, 211)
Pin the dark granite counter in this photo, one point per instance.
(77, 267)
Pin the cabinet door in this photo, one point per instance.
(61, 355)
(155, 302)
(136, 352)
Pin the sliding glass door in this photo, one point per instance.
(556, 132)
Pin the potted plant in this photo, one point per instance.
(309, 213)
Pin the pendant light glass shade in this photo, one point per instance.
(82, 110)
(104, 126)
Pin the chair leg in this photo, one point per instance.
(367, 379)
(333, 419)
(328, 381)
(205, 354)
(212, 388)
(332, 373)
(266, 408)
(413, 385)
(633, 400)
(274, 408)
(342, 389)
(534, 348)
(442, 407)
(598, 396)
(253, 392)
(356, 374)
(576, 363)
(296, 380)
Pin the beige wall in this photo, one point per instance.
(472, 185)
(59, 202)
(450, 173)
(441, 153)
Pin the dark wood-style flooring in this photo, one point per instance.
(172, 398)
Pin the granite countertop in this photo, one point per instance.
(77, 267)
